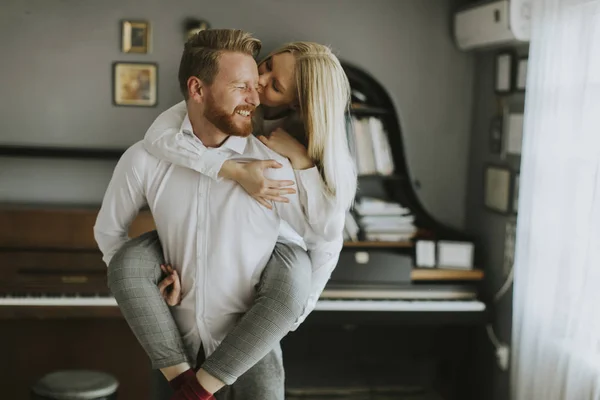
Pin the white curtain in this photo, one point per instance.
(556, 313)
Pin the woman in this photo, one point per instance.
(303, 91)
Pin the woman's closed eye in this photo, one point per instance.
(274, 85)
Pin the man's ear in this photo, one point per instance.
(195, 89)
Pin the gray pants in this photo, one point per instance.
(134, 273)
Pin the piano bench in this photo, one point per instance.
(75, 385)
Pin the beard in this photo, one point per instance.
(225, 121)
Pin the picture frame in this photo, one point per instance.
(192, 26)
(515, 192)
(503, 72)
(521, 79)
(135, 37)
(497, 188)
(135, 84)
(513, 133)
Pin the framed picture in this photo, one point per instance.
(193, 26)
(497, 189)
(521, 81)
(515, 193)
(136, 37)
(514, 133)
(135, 84)
(503, 72)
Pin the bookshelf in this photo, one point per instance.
(371, 100)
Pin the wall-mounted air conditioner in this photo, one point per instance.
(493, 23)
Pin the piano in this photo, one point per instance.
(59, 273)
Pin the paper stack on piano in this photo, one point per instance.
(385, 221)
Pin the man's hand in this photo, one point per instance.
(170, 286)
(250, 175)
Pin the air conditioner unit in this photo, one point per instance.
(493, 23)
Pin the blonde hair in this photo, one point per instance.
(323, 95)
(202, 51)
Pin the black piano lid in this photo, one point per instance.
(375, 100)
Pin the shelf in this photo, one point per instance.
(60, 152)
(378, 244)
(392, 177)
(367, 110)
(438, 274)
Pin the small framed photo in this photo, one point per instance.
(521, 81)
(135, 84)
(136, 37)
(515, 193)
(497, 189)
(514, 133)
(504, 72)
(193, 26)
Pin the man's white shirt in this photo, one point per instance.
(216, 235)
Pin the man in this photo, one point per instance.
(217, 236)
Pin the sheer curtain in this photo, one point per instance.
(556, 317)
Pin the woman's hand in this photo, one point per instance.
(170, 286)
(283, 143)
(250, 175)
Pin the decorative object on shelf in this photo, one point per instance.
(136, 37)
(521, 81)
(496, 133)
(455, 255)
(514, 133)
(191, 26)
(425, 254)
(503, 72)
(497, 188)
(515, 193)
(135, 84)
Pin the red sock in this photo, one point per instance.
(192, 390)
(180, 379)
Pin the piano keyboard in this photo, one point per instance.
(74, 301)
(400, 305)
(322, 305)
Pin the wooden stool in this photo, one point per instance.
(75, 385)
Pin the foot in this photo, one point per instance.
(181, 379)
(192, 390)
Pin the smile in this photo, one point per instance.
(244, 113)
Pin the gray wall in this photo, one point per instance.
(55, 80)
(487, 226)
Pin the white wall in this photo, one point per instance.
(55, 81)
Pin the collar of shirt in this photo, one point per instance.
(236, 144)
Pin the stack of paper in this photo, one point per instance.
(385, 221)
